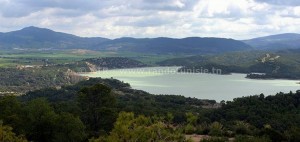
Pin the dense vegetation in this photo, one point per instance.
(21, 78)
(58, 106)
(114, 63)
(108, 110)
(25, 79)
(281, 64)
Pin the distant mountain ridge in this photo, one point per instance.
(41, 38)
(276, 42)
(172, 45)
(34, 38)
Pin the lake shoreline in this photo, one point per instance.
(198, 85)
(178, 72)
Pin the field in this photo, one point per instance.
(13, 58)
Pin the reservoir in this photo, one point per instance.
(165, 80)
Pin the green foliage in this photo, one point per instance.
(89, 108)
(293, 134)
(272, 116)
(273, 64)
(202, 129)
(189, 129)
(22, 79)
(38, 121)
(274, 135)
(11, 112)
(191, 123)
(169, 118)
(7, 134)
(191, 118)
(26, 79)
(142, 129)
(97, 105)
(114, 63)
(129, 100)
(242, 128)
(69, 129)
(216, 129)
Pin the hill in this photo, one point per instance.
(40, 38)
(22, 79)
(45, 39)
(190, 45)
(279, 64)
(276, 42)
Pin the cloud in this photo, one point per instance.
(281, 2)
(290, 12)
(240, 19)
(165, 5)
(155, 20)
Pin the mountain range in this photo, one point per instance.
(171, 45)
(276, 42)
(40, 38)
(33, 38)
(37, 38)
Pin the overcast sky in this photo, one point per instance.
(238, 19)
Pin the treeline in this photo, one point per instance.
(277, 65)
(32, 78)
(277, 117)
(129, 100)
(21, 79)
(108, 110)
(90, 109)
(114, 63)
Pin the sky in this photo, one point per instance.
(238, 19)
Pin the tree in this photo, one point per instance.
(216, 129)
(141, 129)
(97, 105)
(11, 113)
(191, 123)
(40, 120)
(69, 129)
(242, 128)
(7, 135)
(191, 118)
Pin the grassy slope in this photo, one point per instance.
(13, 58)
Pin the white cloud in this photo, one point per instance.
(240, 19)
(281, 2)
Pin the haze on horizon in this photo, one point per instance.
(238, 19)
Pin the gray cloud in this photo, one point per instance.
(20, 8)
(169, 5)
(152, 18)
(281, 2)
(13, 9)
(68, 4)
(150, 21)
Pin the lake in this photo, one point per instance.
(165, 80)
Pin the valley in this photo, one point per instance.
(149, 71)
(146, 85)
